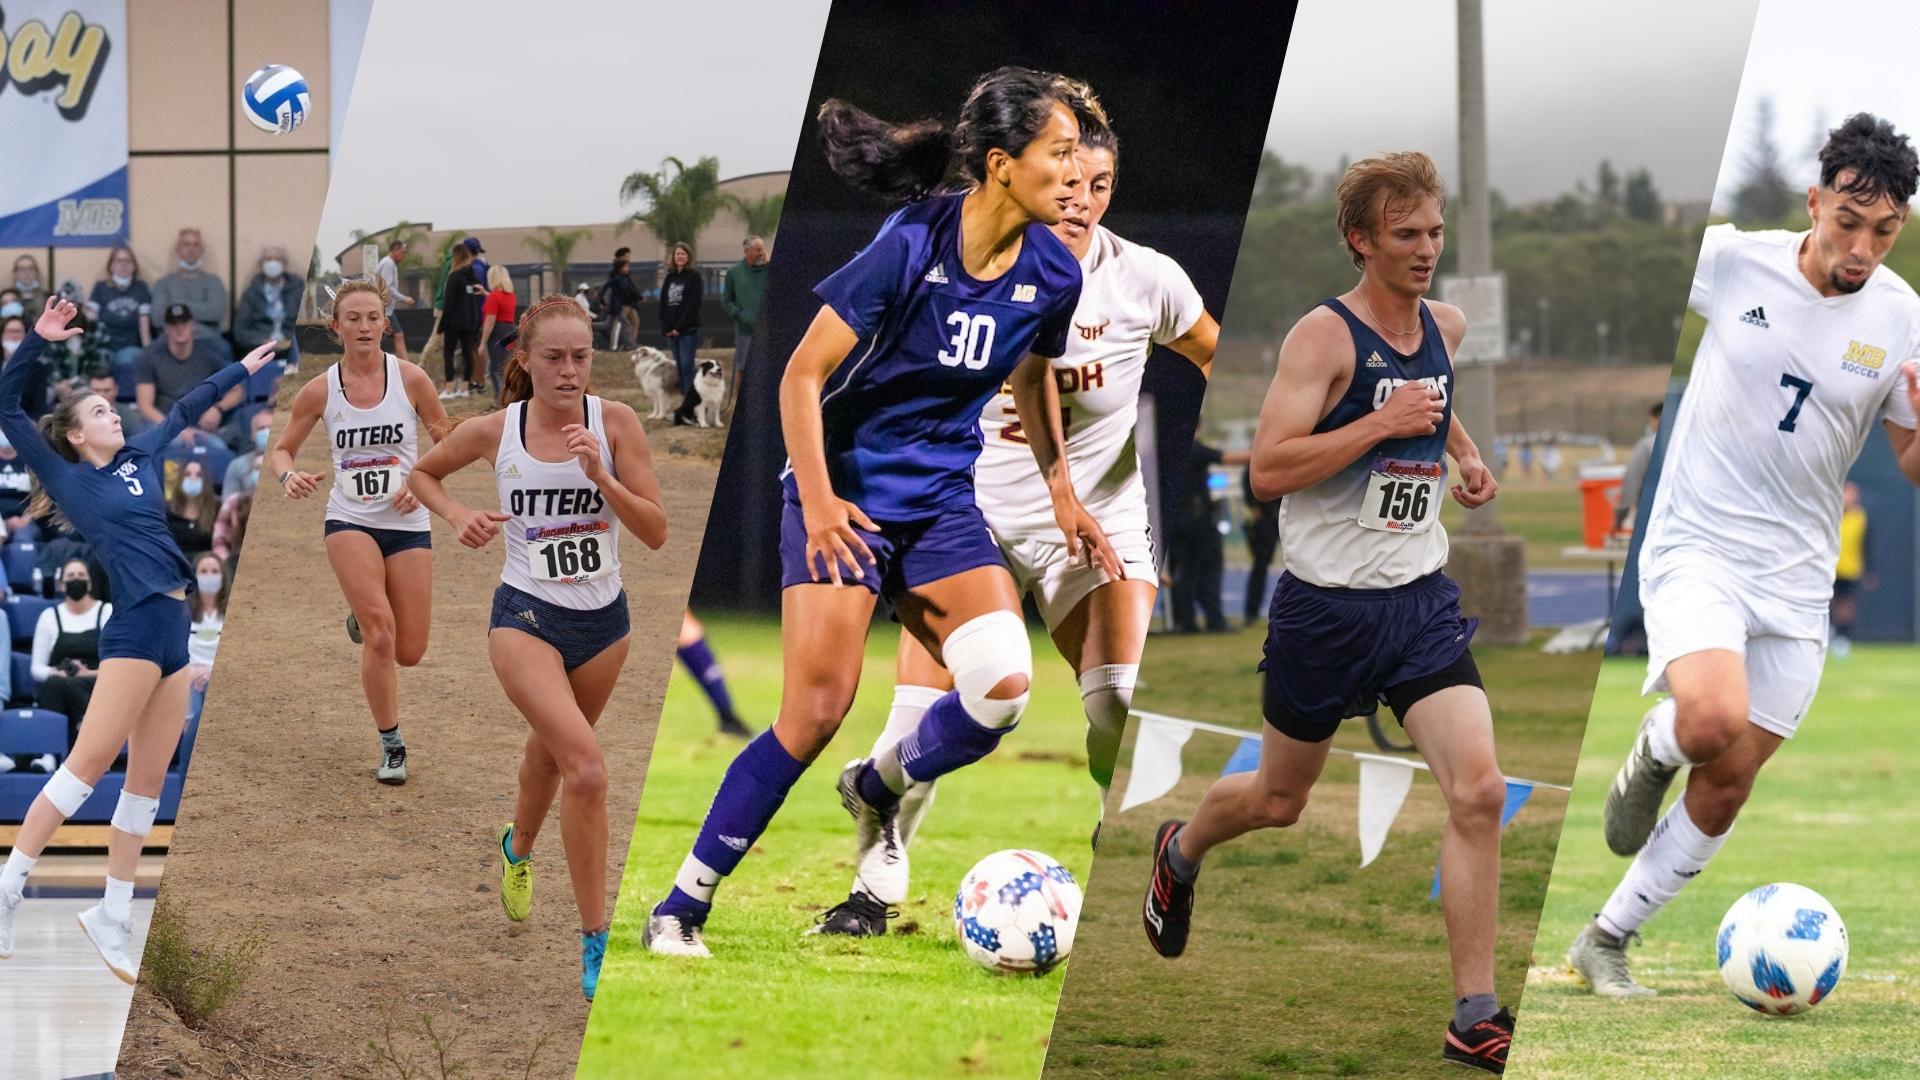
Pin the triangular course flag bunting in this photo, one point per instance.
(1156, 759)
(1383, 788)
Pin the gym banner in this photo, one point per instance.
(63, 104)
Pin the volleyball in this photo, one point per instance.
(275, 99)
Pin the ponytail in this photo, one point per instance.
(54, 427)
(903, 162)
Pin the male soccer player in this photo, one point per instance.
(1805, 353)
(1354, 433)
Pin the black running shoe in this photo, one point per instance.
(1484, 1045)
(859, 915)
(1169, 908)
(732, 725)
(353, 629)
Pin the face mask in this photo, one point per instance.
(260, 438)
(185, 265)
(77, 589)
(273, 268)
(26, 284)
(9, 346)
(11, 309)
(209, 583)
(121, 281)
(192, 486)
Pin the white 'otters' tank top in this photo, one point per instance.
(563, 543)
(373, 451)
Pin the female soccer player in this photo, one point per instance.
(880, 406)
(377, 533)
(571, 469)
(109, 487)
(1133, 298)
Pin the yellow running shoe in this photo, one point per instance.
(516, 879)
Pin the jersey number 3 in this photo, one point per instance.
(972, 343)
(1801, 388)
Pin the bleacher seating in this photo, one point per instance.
(23, 614)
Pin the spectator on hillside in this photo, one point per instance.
(269, 308)
(389, 271)
(177, 361)
(1638, 459)
(66, 646)
(1262, 525)
(680, 296)
(740, 294)
(460, 324)
(121, 306)
(1194, 556)
(619, 296)
(28, 286)
(191, 284)
(496, 323)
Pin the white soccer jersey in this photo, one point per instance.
(563, 541)
(1787, 386)
(373, 451)
(1131, 299)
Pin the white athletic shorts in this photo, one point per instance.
(1058, 584)
(1694, 604)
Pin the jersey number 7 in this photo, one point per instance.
(1801, 389)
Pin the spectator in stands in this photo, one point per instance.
(107, 385)
(460, 324)
(680, 296)
(121, 307)
(191, 285)
(243, 472)
(740, 295)
(269, 307)
(496, 323)
(1637, 461)
(388, 271)
(29, 288)
(191, 508)
(66, 646)
(13, 331)
(230, 528)
(16, 484)
(212, 584)
(619, 296)
(176, 362)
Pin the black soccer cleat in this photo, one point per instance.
(733, 726)
(1482, 1046)
(859, 915)
(1169, 908)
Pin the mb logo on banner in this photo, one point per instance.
(63, 105)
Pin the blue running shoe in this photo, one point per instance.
(593, 949)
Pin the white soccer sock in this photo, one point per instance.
(118, 903)
(697, 880)
(13, 879)
(1662, 737)
(1673, 856)
(910, 703)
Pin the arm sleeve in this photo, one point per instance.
(1712, 243)
(189, 407)
(44, 633)
(1180, 304)
(20, 428)
(1051, 341)
(866, 288)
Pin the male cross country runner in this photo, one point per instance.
(1736, 568)
(1353, 433)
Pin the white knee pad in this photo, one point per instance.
(66, 791)
(134, 814)
(980, 653)
(1106, 696)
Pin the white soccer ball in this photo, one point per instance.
(1782, 949)
(275, 99)
(1016, 911)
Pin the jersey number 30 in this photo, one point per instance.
(1801, 388)
(972, 343)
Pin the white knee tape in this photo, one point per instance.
(134, 814)
(66, 791)
(980, 653)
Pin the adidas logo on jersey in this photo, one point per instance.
(1756, 317)
(336, 417)
(1375, 361)
(937, 275)
(512, 473)
(1024, 294)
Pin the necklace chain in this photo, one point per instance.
(1383, 322)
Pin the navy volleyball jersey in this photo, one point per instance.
(902, 412)
(121, 508)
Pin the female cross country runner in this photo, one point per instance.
(880, 406)
(377, 534)
(571, 469)
(109, 487)
(1132, 299)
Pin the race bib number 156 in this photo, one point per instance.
(1402, 496)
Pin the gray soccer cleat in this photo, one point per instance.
(1633, 802)
(880, 864)
(670, 935)
(1601, 959)
(112, 940)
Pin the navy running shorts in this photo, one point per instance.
(155, 630)
(392, 541)
(1335, 653)
(906, 555)
(578, 636)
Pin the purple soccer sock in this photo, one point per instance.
(702, 666)
(751, 793)
(946, 739)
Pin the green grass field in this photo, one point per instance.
(774, 1004)
(1835, 811)
(1301, 963)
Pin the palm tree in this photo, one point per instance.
(761, 215)
(680, 201)
(557, 248)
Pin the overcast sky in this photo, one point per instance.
(498, 113)
(1807, 94)
(1640, 82)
